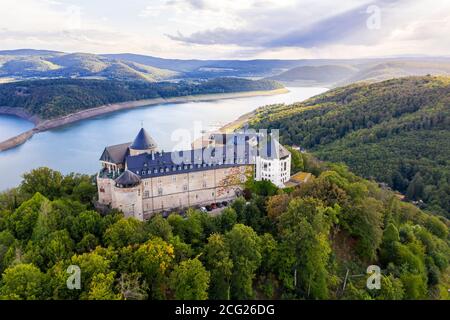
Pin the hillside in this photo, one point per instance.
(370, 71)
(315, 75)
(58, 97)
(47, 64)
(396, 131)
(334, 225)
(22, 64)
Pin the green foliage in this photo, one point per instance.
(396, 131)
(244, 246)
(295, 245)
(217, 260)
(304, 229)
(124, 232)
(23, 282)
(101, 287)
(159, 227)
(261, 188)
(190, 280)
(153, 259)
(365, 221)
(22, 220)
(59, 97)
(296, 160)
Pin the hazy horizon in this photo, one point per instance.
(245, 30)
(403, 56)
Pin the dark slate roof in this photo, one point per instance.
(128, 178)
(270, 151)
(267, 152)
(162, 163)
(115, 154)
(143, 141)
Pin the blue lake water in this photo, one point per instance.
(77, 147)
(11, 126)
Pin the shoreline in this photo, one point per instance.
(44, 125)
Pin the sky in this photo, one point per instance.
(225, 29)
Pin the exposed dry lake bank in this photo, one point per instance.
(43, 125)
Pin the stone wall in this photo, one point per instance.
(175, 191)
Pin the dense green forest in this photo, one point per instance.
(58, 97)
(396, 131)
(294, 243)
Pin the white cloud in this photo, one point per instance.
(227, 28)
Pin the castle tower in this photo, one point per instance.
(127, 195)
(143, 143)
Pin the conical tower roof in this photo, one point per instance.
(143, 141)
(128, 179)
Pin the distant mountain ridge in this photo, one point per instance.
(23, 64)
(28, 64)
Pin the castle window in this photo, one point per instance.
(167, 169)
(155, 171)
(204, 184)
(242, 178)
(161, 170)
(174, 178)
(143, 172)
(185, 187)
(146, 194)
(174, 168)
(160, 191)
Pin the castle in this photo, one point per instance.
(140, 180)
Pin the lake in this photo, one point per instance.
(77, 147)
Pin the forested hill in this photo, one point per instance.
(396, 131)
(295, 243)
(58, 97)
